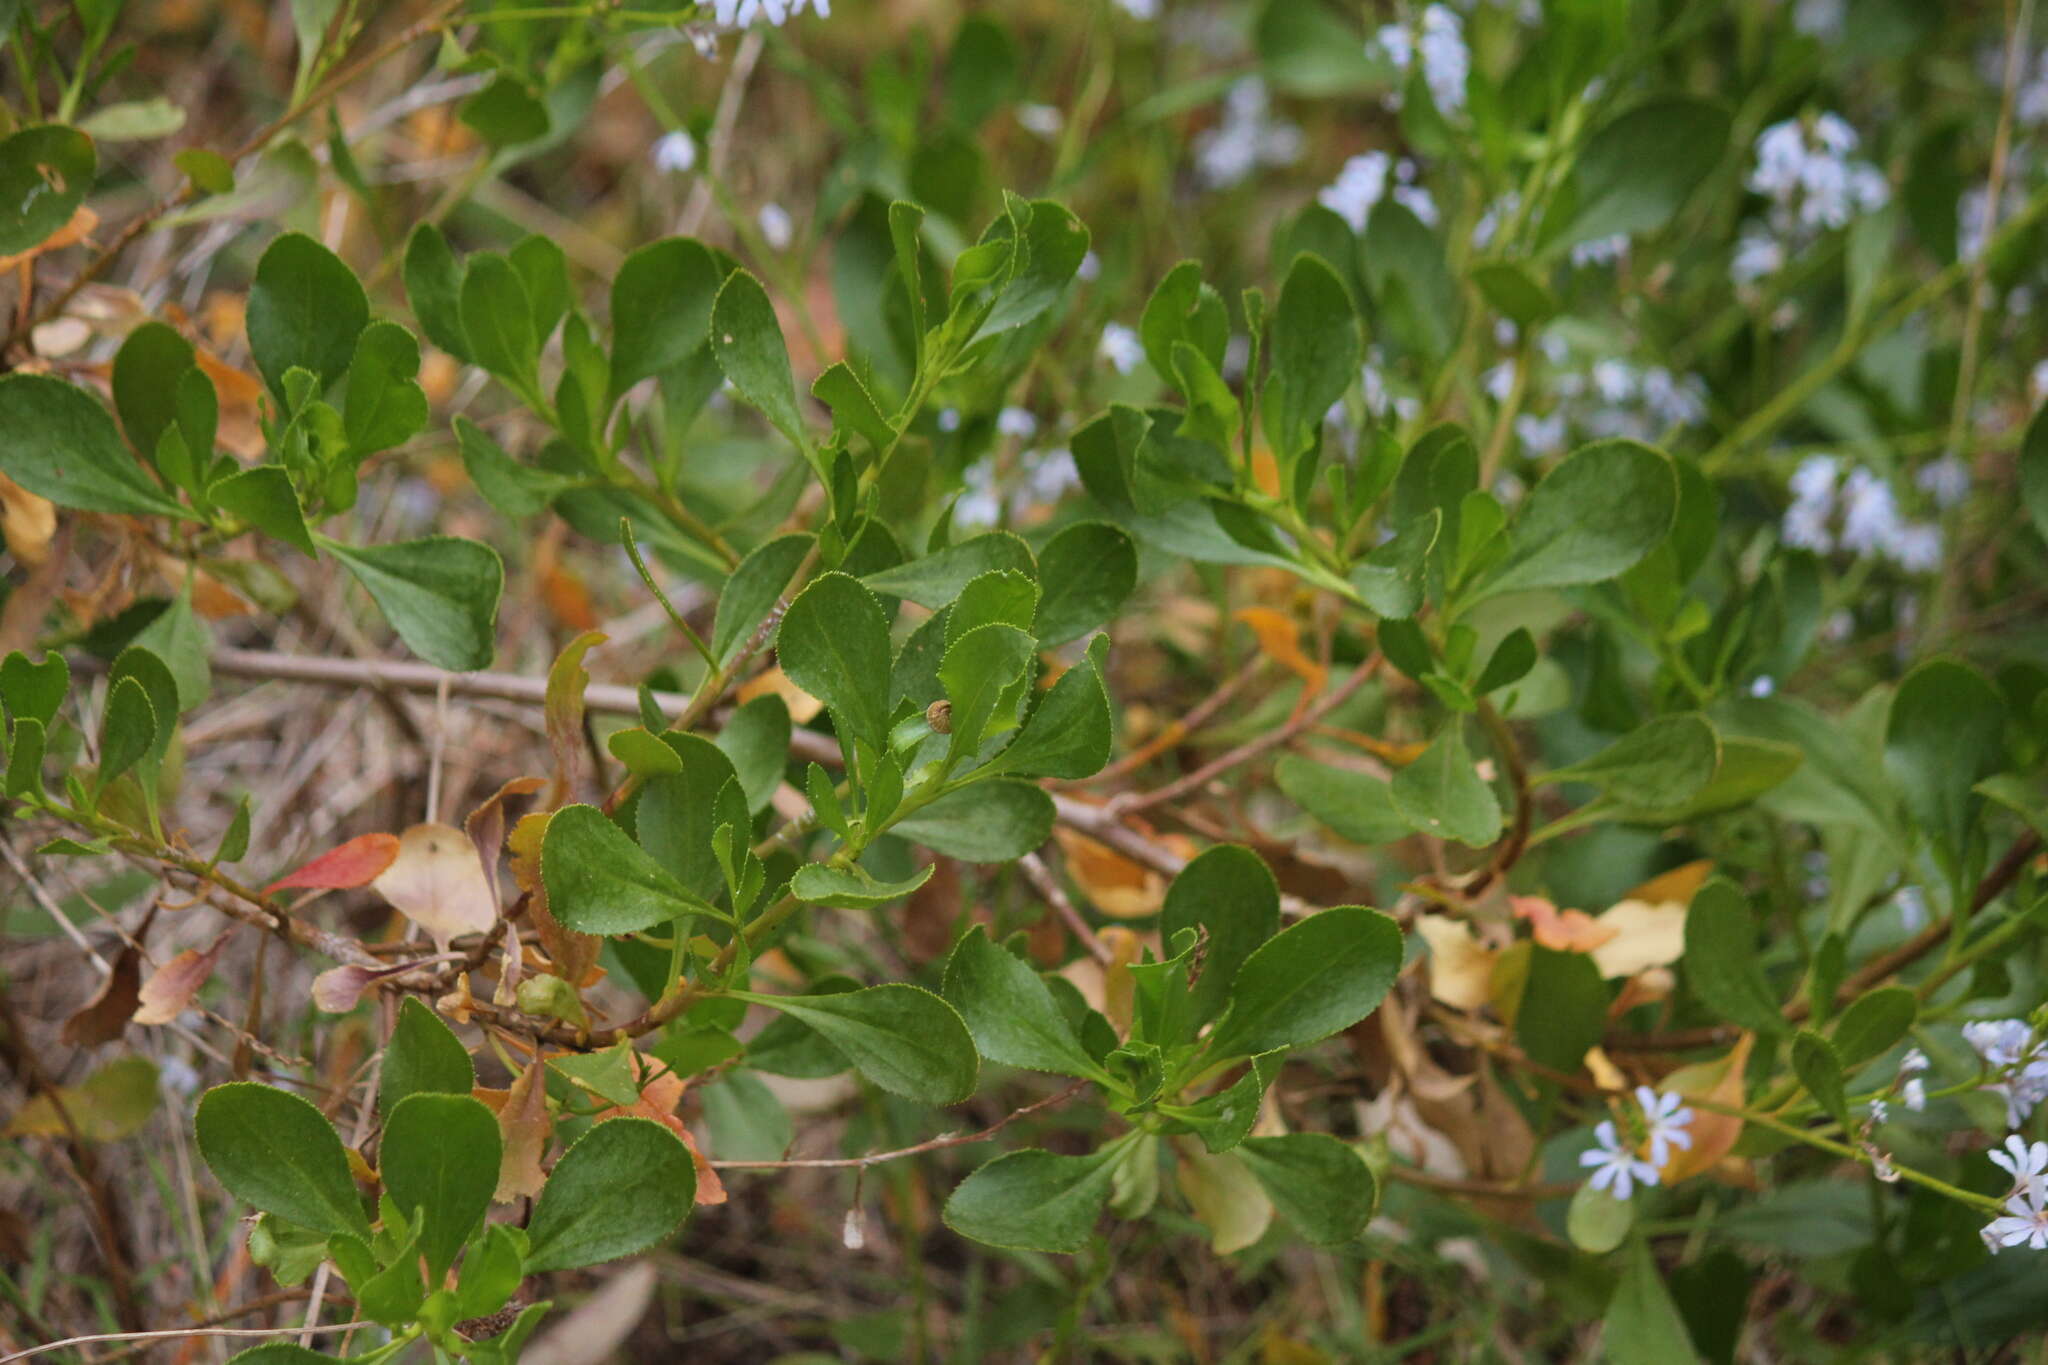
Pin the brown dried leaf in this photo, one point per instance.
(574, 955)
(28, 522)
(566, 681)
(486, 825)
(103, 1018)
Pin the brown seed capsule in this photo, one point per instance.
(939, 715)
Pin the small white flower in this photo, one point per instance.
(1757, 255)
(1912, 903)
(1914, 1094)
(1763, 686)
(778, 229)
(1946, 480)
(1913, 1063)
(1121, 347)
(1090, 268)
(2037, 381)
(741, 13)
(1600, 250)
(1870, 515)
(1668, 1119)
(1806, 528)
(1041, 119)
(1541, 435)
(949, 419)
(1618, 1170)
(1879, 1111)
(1139, 9)
(1446, 61)
(1017, 422)
(1361, 184)
(2025, 1162)
(675, 152)
(1419, 202)
(2025, 1222)
(1393, 40)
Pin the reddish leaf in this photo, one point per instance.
(170, 989)
(102, 1018)
(358, 862)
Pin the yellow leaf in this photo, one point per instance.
(1224, 1194)
(1713, 1135)
(1641, 936)
(803, 707)
(1460, 967)
(112, 1103)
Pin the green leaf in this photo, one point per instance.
(622, 1187)
(756, 739)
(853, 407)
(1316, 354)
(45, 174)
(851, 888)
(439, 1162)
(1562, 1009)
(433, 281)
(1874, 1024)
(1088, 570)
(662, 299)
(209, 172)
(490, 1273)
(1819, 1068)
(1033, 1200)
(834, 644)
(1316, 977)
(440, 594)
(306, 309)
(146, 373)
(1357, 806)
(1663, 763)
(62, 445)
(34, 689)
(1390, 580)
(2034, 471)
(1946, 729)
(600, 882)
(128, 729)
(747, 340)
(750, 594)
(1068, 734)
(1516, 294)
(1009, 1010)
(264, 498)
(678, 814)
(275, 1151)
(1228, 894)
(1720, 961)
(497, 321)
(1596, 1221)
(937, 579)
(515, 490)
(133, 121)
(903, 1038)
(506, 112)
(979, 672)
(1593, 517)
(182, 641)
(991, 821)
(1640, 167)
(1643, 1326)
(24, 778)
(386, 406)
(1442, 794)
(424, 1057)
(1317, 1183)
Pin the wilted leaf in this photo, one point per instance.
(112, 1103)
(438, 882)
(523, 1123)
(1460, 966)
(170, 990)
(103, 1018)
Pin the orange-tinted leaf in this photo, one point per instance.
(574, 955)
(438, 882)
(486, 825)
(1713, 1135)
(1564, 931)
(1280, 637)
(1678, 884)
(358, 862)
(170, 989)
(523, 1120)
(28, 521)
(803, 707)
